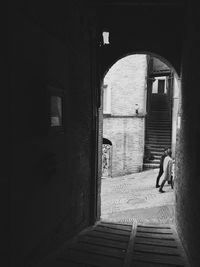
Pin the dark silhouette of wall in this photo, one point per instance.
(51, 172)
(187, 156)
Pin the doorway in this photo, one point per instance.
(132, 92)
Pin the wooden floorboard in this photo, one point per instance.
(115, 245)
(112, 231)
(156, 249)
(155, 242)
(109, 236)
(157, 246)
(101, 241)
(100, 250)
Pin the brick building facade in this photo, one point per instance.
(124, 92)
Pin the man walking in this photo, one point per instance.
(167, 170)
(161, 167)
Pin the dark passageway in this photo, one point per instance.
(57, 61)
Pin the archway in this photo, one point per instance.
(128, 148)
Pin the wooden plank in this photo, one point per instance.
(148, 264)
(181, 248)
(153, 236)
(155, 230)
(128, 257)
(121, 225)
(112, 231)
(109, 236)
(155, 242)
(152, 258)
(116, 226)
(60, 262)
(101, 241)
(100, 250)
(156, 249)
(156, 226)
(92, 259)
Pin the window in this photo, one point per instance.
(56, 111)
(56, 100)
(159, 85)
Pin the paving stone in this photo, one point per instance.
(134, 198)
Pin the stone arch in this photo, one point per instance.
(112, 61)
(173, 140)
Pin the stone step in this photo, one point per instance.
(159, 129)
(160, 118)
(159, 121)
(156, 156)
(155, 152)
(157, 135)
(158, 140)
(154, 133)
(160, 113)
(147, 166)
(155, 161)
(161, 144)
(157, 147)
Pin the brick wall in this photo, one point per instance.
(127, 79)
(127, 137)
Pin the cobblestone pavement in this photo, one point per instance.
(134, 198)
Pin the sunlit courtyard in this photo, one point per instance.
(134, 198)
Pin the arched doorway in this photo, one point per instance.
(127, 106)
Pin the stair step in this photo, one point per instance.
(157, 108)
(155, 161)
(158, 133)
(160, 138)
(156, 146)
(161, 144)
(156, 156)
(157, 111)
(156, 122)
(158, 129)
(150, 166)
(157, 136)
(159, 122)
(158, 119)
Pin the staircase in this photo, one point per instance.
(158, 130)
